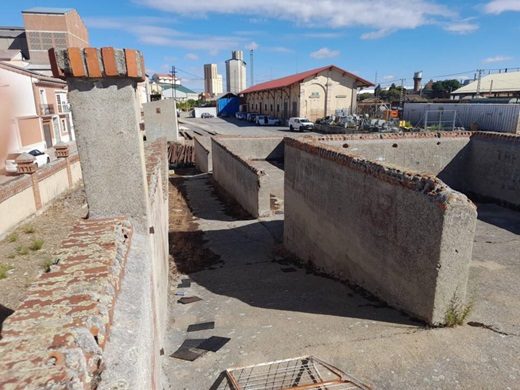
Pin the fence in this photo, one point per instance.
(488, 117)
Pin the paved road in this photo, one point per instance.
(233, 126)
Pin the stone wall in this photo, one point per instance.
(26, 195)
(56, 338)
(404, 236)
(160, 120)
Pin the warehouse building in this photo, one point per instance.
(495, 85)
(313, 94)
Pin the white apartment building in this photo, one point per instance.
(212, 80)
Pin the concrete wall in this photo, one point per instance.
(443, 154)
(24, 196)
(239, 179)
(373, 225)
(160, 120)
(53, 186)
(203, 157)
(494, 168)
(233, 170)
(17, 207)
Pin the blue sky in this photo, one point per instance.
(390, 38)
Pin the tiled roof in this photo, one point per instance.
(295, 78)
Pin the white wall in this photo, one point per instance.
(21, 88)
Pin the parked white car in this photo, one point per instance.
(300, 124)
(40, 159)
(265, 120)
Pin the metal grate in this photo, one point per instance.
(307, 373)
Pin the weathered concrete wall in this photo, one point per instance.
(160, 120)
(494, 168)
(24, 196)
(239, 179)
(443, 154)
(405, 237)
(203, 157)
(255, 148)
(16, 203)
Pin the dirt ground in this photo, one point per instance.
(19, 250)
(185, 238)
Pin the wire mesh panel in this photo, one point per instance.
(307, 373)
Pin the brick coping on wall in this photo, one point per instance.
(55, 339)
(428, 185)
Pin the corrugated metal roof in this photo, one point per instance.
(180, 88)
(497, 82)
(47, 10)
(11, 32)
(295, 78)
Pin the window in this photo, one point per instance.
(43, 96)
(271, 107)
(64, 126)
(266, 107)
(277, 108)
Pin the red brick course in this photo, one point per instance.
(94, 63)
(57, 335)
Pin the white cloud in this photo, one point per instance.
(191, 56)
(498, 6)
(252, 46)
(377, 34)
(147, 33)
(380, 15)
(461, 27)
(324, 53)
(328, 35)
(389, 77)
(280, 49)
(490, 60)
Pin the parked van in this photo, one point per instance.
(300, 124)
(266, 120)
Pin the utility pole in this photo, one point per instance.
(174, 76)
(252, 70)
(478, 81)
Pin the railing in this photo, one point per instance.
(47, 109)
(63, 108)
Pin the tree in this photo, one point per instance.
(364, 96)
(443, 88)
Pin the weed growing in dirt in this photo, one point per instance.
(29, 229)
(11, 255)
(4, 269)
(22, 250)
(13, 237)
(36, 244)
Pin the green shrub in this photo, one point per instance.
(36, 244)
(13, 237)
(22, 250)
(4, 269)
(29, 229)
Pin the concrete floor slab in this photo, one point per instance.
(270, 314)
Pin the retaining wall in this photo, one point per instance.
(233, 171)
(203, 158)
(494, 169)
(404, 236)
(25, 195)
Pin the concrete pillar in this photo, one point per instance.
(102, 94)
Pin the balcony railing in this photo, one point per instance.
(63, 108)
(47, 109)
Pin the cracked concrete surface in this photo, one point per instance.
(270, 314)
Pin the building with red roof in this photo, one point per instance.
(313, 94)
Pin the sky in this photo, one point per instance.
(380, 40)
